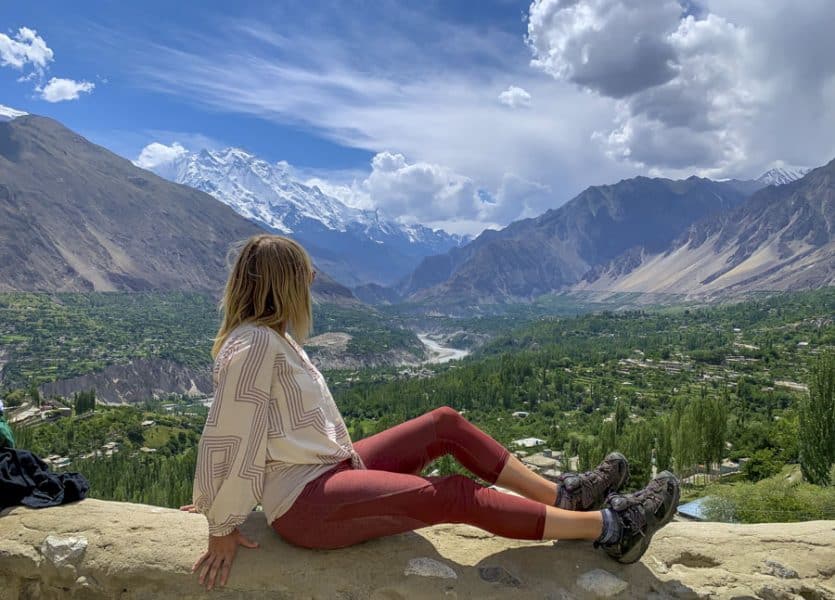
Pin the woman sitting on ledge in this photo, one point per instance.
(274, 436)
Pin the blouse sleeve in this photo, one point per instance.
(231, 456)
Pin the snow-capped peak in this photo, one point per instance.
(271, 195)
(782, 174)
(7, 113)
(261, 191)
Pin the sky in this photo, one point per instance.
(455, 114)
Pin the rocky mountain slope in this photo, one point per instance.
(101, 550)
(76, 217)
(554, 251)
(355, 246)
(782, 238)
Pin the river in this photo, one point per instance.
(439, 353)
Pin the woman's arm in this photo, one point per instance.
(229, 477)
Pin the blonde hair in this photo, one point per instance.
(269, 284)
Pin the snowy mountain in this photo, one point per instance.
(782, 175)
(355, 246)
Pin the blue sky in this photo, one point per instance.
(426, 109)
(99, 41)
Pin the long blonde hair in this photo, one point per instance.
(269, 284)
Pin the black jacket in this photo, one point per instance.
(26, 480)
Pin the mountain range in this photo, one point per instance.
(76, 217)
(693, 236)
(355, 246)
(781, 238)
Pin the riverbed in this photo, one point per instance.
(439, 353)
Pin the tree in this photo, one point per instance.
(761, 465)
(621, 414)
(84, 401)
(817, 424)
(637, 446)
(35, 394)
(136, 435)
(717, 430)
(663, 444)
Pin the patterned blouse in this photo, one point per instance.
(272, 428)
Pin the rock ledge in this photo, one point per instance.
(95, 550)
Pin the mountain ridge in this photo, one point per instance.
(554, 250)
(781, 238)
(76, 217)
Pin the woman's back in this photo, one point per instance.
(272, 427)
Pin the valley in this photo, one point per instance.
(583, 385)
(682, 322)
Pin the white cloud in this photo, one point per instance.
(420, 191)
(59, 89)
(155, 154)
(25, 49)
(435, 195)
(614, 47)
(691, 87)
(515, 97)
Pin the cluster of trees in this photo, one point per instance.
(50, 337)
(76, 437)
(146, 478)
(817, 424)
(690, 438)
(84, 401)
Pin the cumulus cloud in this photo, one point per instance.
(515, 97)
(517, 198)
(614, 47)
(25, 50)
(692, 87)
(431, 194)
(682, 82)
(59, 89)
(419, 191)
(156, 154)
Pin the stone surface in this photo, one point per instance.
(139, 552)
(498, 575)
(601, 583)
(772, 567)
(429, 567)
(63, 550)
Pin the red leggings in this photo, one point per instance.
(345, 506)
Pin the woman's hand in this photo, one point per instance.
(219, 557)
(189, 508)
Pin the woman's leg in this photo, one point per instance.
(411, 446)
(348, 506)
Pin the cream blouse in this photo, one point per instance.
(272, 428)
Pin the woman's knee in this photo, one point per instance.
(446, 415)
